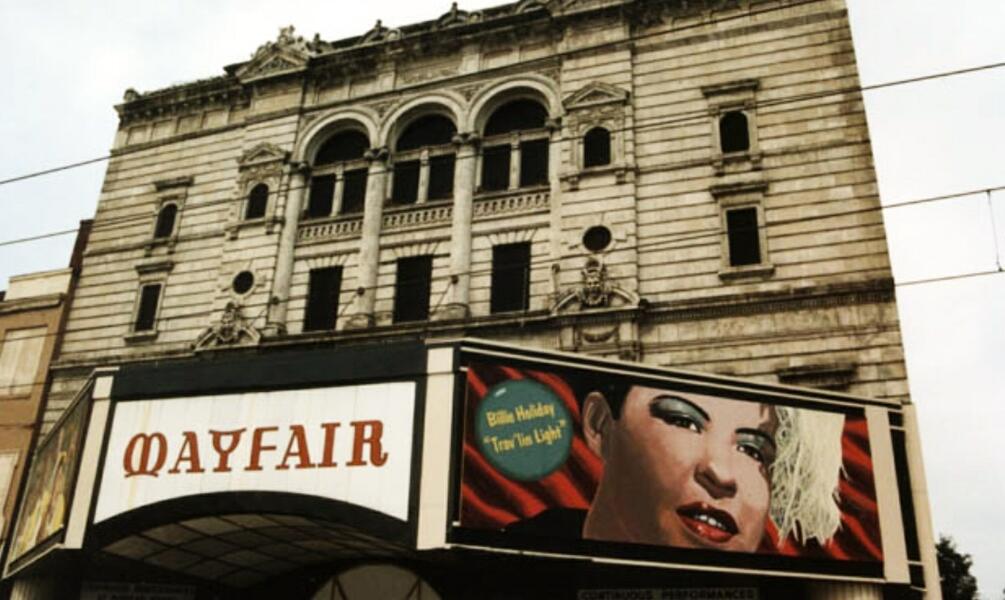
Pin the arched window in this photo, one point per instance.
(258, 201)
(165, 221)
(597, 147)
(338, 176)
(733, 133)
(515, 135)
(424, 161)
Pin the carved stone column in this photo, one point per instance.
(369, 245)
(460, 229)
(279, 300)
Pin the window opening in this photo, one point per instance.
(733, 133)
(243, 282)
(341, 147)
(322, 196)
(441, 177)
(510, 277)
(516, 115)
(353, 191)
(495, 168)
(405, 187)
(323, 289)
(165, 221)
(597, 147)
(146, 315)
(258, 200)
(533, 162)
(597, 238)
(412, 285)
(431, 130)
(744, 238)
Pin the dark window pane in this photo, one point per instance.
(744, 240)
(597, 147)
(432, 130)
(510, 277)
(322, 196)
(517, 115)
(353, 191)
(165, 221)
(495, 168)
(733, 133)
(441, 177)
(322, 299)
(406, 182)
(533, 162)
(347, 145)
(258, 200)
(411, 288)
(147, 313)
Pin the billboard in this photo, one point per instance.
(349, 443)
(569, 459)
(49, 489)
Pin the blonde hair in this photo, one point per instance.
(805, 474)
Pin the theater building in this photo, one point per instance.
(387, 317)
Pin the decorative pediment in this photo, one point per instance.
(288, 54)
(379, 34)
(455, 17)
(595, 94)
(530, 5)
(263, 153)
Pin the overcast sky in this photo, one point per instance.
(69, 62)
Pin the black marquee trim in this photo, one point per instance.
(220, 504)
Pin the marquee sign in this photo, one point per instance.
(350, 443)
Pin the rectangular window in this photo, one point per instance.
(510, 277)
(412, 286)
(20, 353)
(322, 196)
(533, 162)
(353, 191)
(146, 314)
(495, 168)
(441, 177)
(406, 182)
(744, 238)
(322, 299)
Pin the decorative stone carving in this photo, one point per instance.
(455, 17)
(230, 330)
(288, 54)
(261, 154)
(594, 94)
(130, 95)
(379, 34)
(596, 291)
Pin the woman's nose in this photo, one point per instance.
(713, 474)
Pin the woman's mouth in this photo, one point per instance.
(711, 524)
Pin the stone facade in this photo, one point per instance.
(816, 306)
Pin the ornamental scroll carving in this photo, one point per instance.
(231, 329)
(595, 291)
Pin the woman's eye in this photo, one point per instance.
(752, 452)
(683, 421)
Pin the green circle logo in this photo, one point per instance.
(523, 429)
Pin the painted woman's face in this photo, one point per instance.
(685, 470)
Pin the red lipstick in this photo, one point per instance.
(708, 523)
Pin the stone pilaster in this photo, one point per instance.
(279, 299)
(369, 245)
(460, 229)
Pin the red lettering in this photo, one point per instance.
(298, 438)
(189, 453)
(377, 456)
(223, 466)
(327, 457)
(257, 447)
(144, 466)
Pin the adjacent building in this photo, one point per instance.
(685, 185)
